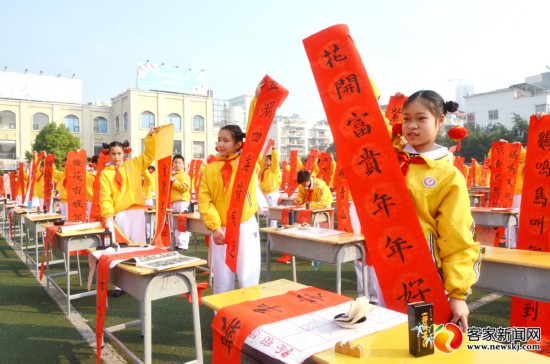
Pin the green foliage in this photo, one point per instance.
(55, 139)
(478, 142)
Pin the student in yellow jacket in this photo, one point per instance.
(440, 196)
(149, 185)
(38, 192)
(313, 191)
(121, 196)
(270, 177)
(215, 193)
(179, 197)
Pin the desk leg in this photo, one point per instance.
(67, 257)
(36, 248)
(294, 277)
(268, 258)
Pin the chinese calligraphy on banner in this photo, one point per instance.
(76, 185)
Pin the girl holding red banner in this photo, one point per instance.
(440, 195)
(180, 197)
(215, 193)
(121, 195)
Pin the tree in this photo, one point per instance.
(55, 139)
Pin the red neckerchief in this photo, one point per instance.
(405, 160)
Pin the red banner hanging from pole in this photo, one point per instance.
(271, 96)
(534, 223)
(75, 172)
(367, 156)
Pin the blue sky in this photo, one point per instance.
(405, 45)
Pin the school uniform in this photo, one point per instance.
(179, 202)
(318, 195)
(90, 181)
(148, 187)
(38, 192)
(122, 197)
(270, 180)
(214, 200)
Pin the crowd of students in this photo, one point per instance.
(127, 186)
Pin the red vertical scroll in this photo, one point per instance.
(13, 185)
(324, 167)
(459, 163)
(394, 111)
(48, 181)
(292, 182)
(21, 182)
(534, 224)
(270, 98)
(342, 200)
(311, 159)
(164, 172)
(76, 185)
(397, 246)
(504, 166)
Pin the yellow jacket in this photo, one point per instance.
(90, 180)
(320, 197)
(443, 208)
(520, 172)
(214, 201)
(114, 198)
(271, 177)
(180, 187)
(60, 176)
(148, 184)
(39, 185)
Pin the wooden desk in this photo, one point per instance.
(333, 249)
(515, 272)
(496, 217)
(392, 346)
(17, 223)
(67, 242)
(147, 285)
(262, 290)
(33, 223)
(317, 215)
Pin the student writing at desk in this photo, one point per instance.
(313, 191)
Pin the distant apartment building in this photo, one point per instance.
(498, 106)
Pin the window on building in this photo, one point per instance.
(117, 125)
(147, 120)
(198, 150)
(542, 108)
(178, 147)
(126, 122)
(39, 120)
(98, 148)
(101, 125)
(471, 117)
(7, 119)
(198, 123)
(7, 149)
(176, 120)
(493, 114)
(72, 123)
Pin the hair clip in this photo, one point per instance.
(127, 150)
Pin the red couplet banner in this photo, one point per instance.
(504, 166)
(397, 245)
(534, 222)
(292, 182)
(13, 185)
(342, 200)
(394, 111)
(21, 182)
(164, 172)
(48, 181)
(324, 167)
(270, 98)
(76, 185)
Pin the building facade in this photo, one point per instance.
(499, 106)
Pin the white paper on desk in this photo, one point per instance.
(94, 256)
(296, 339)
(84, 226)
(313, 232)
